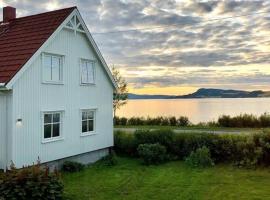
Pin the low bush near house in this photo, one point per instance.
(200, 158)
(152, 153)
(125, 143)
(71, 166)
(31, 183)
(109, 160)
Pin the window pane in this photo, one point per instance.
(56, 117)
(84, 126)
(47, 118)
(84, 115)
(56, 63)
(90, 72)
(90, 115)
(90, 125)
(47, 131)
(47, 74)
(84, 78)
(56, 130)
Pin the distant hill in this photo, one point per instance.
(206, 93)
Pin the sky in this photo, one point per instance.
(176, 46)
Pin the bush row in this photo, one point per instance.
(245, 120)
(241, 150)
(157, 121)
(240, 121)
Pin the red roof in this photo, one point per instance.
(22, 37)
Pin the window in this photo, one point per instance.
(52, 68)
(88, 121)
(52, 125)
(87, 72)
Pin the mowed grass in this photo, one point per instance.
(129, 180)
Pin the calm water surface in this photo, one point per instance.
(197, 110)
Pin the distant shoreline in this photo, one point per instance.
(204, 93)
(199, 98)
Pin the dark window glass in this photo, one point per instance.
(56, 118)
(84, 115)
(90, 125)
(56, 130)
(47, 131)
(47, 118)
(84, 126)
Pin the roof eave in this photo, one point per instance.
(3, 86)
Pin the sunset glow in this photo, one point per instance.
(176, 47)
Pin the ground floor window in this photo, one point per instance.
(52, 125)
(88, 121)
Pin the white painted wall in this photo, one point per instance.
(31, 97)
(5, 132)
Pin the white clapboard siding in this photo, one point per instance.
(31, 97)
(3, 130)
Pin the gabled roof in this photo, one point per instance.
(22, 37)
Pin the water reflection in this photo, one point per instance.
(197, 110)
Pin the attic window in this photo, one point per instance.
(87, 72)
(75, 24)
(52, 68)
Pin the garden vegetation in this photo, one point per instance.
(240, 121)
(31, 183)
(242, 150)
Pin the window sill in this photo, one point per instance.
(44, 141)
(88, 134)
(87, 84)
(52, 83)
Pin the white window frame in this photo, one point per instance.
(94, 71)
(94, 123)
(60, 82)
(52, 139)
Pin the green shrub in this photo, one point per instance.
(134, 121)
(200, 158)
(71, 166)
(245, 121)
(265, 120)
(173, 121)
(31, 183)
(152, 153)
(163, 136)
(183, 121)
(125, 143)
(110, 159)
(242, 150)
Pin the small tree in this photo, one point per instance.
(120, 95)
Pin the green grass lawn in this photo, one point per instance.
(174, 180)
(198, 128)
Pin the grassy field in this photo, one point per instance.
(129, 180)
(197, 129)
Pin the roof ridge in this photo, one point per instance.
(52, 11)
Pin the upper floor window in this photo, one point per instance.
(87, 72)
(52, 68)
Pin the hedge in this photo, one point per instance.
(240, 121)
(239, 149)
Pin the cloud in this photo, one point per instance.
(188, 37)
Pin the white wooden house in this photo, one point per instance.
(56, 91)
